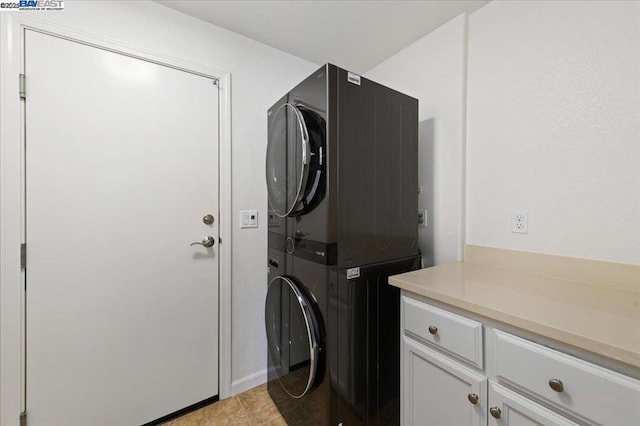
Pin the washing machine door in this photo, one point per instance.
(295, 160)
(293, 336)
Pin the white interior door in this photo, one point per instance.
(121, 167)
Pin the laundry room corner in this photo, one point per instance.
(433, 70)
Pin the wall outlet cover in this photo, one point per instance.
(520, 221)
(422, 218)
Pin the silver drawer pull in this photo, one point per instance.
(556, 385)
(495, 412)
(473, 398)
(433, 329)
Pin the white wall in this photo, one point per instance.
(260, 75)
(554, 127)
(433, 70)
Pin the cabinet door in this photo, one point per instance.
(509, 408)
(438, 391)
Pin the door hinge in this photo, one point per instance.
(23, 255)
(22, 86)
(23, 418)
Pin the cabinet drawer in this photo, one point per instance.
(455, 334)
(592, 393)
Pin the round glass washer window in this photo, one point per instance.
(288, 153)
(291, 335)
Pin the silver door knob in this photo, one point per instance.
(208, 219)
(206, 242)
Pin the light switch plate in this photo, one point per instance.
(248, 218)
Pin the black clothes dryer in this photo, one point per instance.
(341, 173)
(342, 170)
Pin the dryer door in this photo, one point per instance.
(293, 336)
(295, 160)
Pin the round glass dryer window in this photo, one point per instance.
(292, 336)
(287, 159)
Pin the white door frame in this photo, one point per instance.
(12, 27)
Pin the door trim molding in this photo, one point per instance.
(224, 203)
(12, 27)
(11, 363)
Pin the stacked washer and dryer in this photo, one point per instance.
(342, 178)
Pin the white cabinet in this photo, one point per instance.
(524, 383)
(509, 408)
(587, 391)
(439, 391)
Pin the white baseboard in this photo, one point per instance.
(247, 382)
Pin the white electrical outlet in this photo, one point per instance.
(520, 221)
(422, 218)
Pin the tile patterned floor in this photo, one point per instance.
(251, 408)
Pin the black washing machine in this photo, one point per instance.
(341, 173)
(296, 314)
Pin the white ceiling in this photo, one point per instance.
(356, 35)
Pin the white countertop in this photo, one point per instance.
(598, 317)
